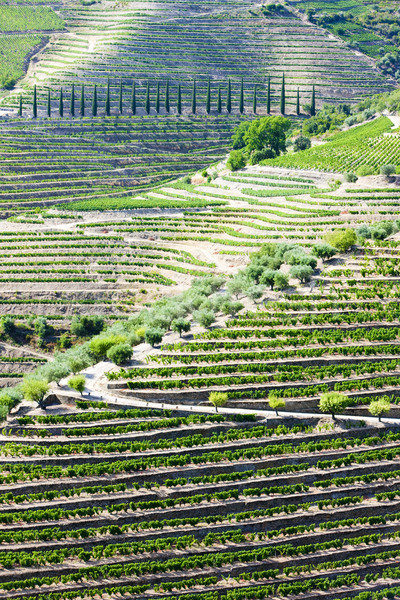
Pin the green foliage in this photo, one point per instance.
(218, 399)
(154, 335)
(301, 143)
(204, 317)
(332, 402)
(120, 353)
(266, 137)
(87, 326)
(365, 170)
(301, 272)
(236, 160)
(77, 383)
(377, 408)
(324, 251)
(100, 344)
(275, 402)
(180, 325)
(341, 239)
(34, 389)
(350, 177)
(388, 170)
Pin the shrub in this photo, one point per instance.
(301, 272)
(275, 403)
(332, 402)
(77, 383)
(377, 408)
(301, 143)
(351, 177)
(205, 317)
(324, 251)
(388, 170)
(85, 326)
(281, 281)
(180, 325)
(120, 353)
(154, 335)
(236, 160)
(341, 239)
(100, 345)
(365, 170)
(34, 389)
(218, 399)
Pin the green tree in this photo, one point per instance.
(55, 371)
(281, 281)
(238, 141)
(241, 98)
(269, 96)
(158, 98)
(255, 100)
(94, 101)
(236, 160)
(61, 103)
(120, 97)
(208, 97)
(154, 335)
(48, 103)
(312, 109)
(377, 408)
(341, 239)
(302, 142)
(332, 403)
(82, 102)
(179, 100)
(86, 326)
(204, 317)
(219, 100)
(268, 278)
(100, 344)
(180, 325)
(218, 399)
(34, 106)
(108, 100)
(298, 102)
(20, 106)
(147, 103)
(229, 97)
(166, 104)
(34, 389)
(72, 101)
(324, 251)
(194, 99)
(388, 170)
(275, 403)
(133, 98)
(283, 95)
(78, 359)
(120, 353)
(77, 383)
(267, 136)
(301, 272)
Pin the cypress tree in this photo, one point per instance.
(269, 96)
(312, 111)
(255, 100)
(158, 98)
(82, 104)
(283, 95)
(61, 104)
(133, 98)
(229, 97)
(34, 107)
(298, 102)
(108, 98)
(179, 100)
(20, 106)
(148, 98)
(219, 101)
(208, 97)
(120, 97)
(167, 97)
(48, 103)
(194, 102)
(72, 103)
(241, 98)
(94, 101)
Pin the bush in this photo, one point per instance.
(388, 170)
(77, 383)
(351, 177)
(301, 143)
(34, 389)
(275, 403)
(218, 399)
(281, 281)
(180, 325)
(301, 272)
(332, 402)
(204, 317)
(236, 160)
(154, 335)
(341, 239)
(324, 251)
(377, 408)
(85, 326)
(365, 170)
(100, 345)
(120, 353)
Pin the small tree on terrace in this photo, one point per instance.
(236, 160)
(281, 281)
(154, 335)
(35, 389)
(268, 278)
(275, 402)
(120, 353)
(324, 251)
(332, 403)
(342, 239)
(377, 408)
(77, 383)
(388, 170)
(180, 325)
(204, 317)
(55, 371)
(301, 272)
(218, 399)
(267, 136)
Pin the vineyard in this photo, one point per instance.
(199, 300)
